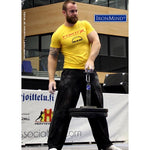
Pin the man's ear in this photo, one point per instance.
(64, 12)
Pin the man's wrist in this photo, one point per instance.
(51, 79)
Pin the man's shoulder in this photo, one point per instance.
(59, 28)
(83, 22)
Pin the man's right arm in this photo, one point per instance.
(52, 64)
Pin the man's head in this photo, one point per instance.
(70, 11)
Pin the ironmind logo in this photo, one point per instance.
(45, 117)
(110, 18)
(73, 33)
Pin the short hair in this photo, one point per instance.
(64, 7)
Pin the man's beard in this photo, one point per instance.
(72, 20)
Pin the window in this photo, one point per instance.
(45, 45)
(83, 1)
(114, 49)
(31, 46)
(104, 45)
(41, 2)
(121, 4)
(38, 46)
(118, 46)
(114, 46)
(99, 2)
(27, 4)
(56, 1)
(45, 42)
(113, 55)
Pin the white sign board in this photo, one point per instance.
(37, 112)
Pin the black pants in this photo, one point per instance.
(72, 83)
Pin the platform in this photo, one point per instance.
(123, 146)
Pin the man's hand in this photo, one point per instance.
(89, 65)
(52, 86)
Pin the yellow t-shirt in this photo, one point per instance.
(73, 43)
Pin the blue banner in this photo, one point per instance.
(110, 18)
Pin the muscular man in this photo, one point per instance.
(80, 45)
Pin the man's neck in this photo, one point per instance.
(68, 24)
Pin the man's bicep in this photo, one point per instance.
(54, 52)
(93, 36)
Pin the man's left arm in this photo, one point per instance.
(95, 48)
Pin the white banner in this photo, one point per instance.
(37, 112)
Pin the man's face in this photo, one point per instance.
(72, 13)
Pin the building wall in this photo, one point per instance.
(46, 19)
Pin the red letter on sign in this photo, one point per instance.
(48, 114)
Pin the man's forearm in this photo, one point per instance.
(52, 62)
(95, 49)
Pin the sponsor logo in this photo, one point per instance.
(73, 33)
(45, 117)
(77, 39)
(37, 97)
(88, 87)
(25, 117)
(35, 134)
(110, 18)
(43, 134)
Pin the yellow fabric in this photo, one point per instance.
(73, 43)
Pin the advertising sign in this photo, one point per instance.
(37, 113)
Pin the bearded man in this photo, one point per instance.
(80, 45)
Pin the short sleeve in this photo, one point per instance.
(55, 41)
(89, 27)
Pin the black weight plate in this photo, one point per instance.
(88, 109)
(88, 112)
